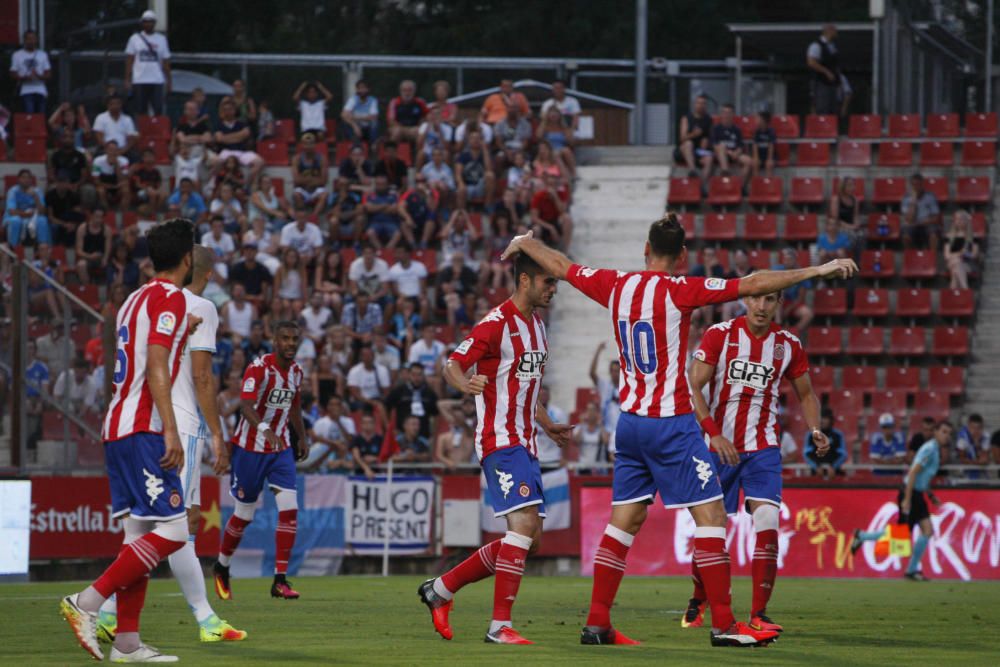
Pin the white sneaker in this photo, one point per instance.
(83, 624)
(145, 653)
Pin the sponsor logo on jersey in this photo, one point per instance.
(280, 398)
(530, 364)
(165, 324)
(506, 482)
(749, 374)
(523, 490)
(154, 486)
(716, 284)
(249, 385)
(465, 346)
(703, 469)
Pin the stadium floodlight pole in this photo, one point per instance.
(641, 20)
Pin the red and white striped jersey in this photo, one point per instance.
(511, 351)
(743, 392)
(651, 318)
(155, 314)
(275, 393)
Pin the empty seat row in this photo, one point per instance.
(905, 341)
(851, 153)
(878, 302)
(870, 126)
(901, 380)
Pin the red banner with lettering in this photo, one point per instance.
(815, 535)
(71, 518)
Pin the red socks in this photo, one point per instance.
(699, 587)
(609, 568)
(474, 568)
(135, 560)
(712, 559)
(765, 568)
(284, 538)
(130, 602)
(509, 570)
(231, 538)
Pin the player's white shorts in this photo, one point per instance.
(194, 448)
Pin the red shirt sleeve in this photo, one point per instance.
(595, 283)
(710, 348)
(799, 365)
(423, 106)
(483, 339)
(390, 112)
(538, 199)
(252, 381)
(694, 292)
(166, 317)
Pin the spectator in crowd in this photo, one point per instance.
(607, 389)
(266, 126)
(233, 138)
(694, 142)
(122, 269)
(386, 354)
(795, 312)
(739, 267)
(312, 99)
(454, 281)
(788, 445)
(290, 281)
(361, 318)
(229, 172)
(449, 110)
(550, 213)
(36, 381)
(834, 242)
(253, 275)
(187, 166)
(727, 142)
(845, 208)
(146, 185)
(887, 446)
(833, 461)
(30, 67)
(418, 209)
(496, 105)
(41, 293)
(346, 212)
(187, 202)
(428, 352)
(548, 161)
(465, 130)
(823, 58)
(246, 108)
(304, 236)
(369, 274)
(54, 349)
(438, 174)
(64, 210)
(568, 106)
(494, 272)
(329, 279)
(995, 446)
(93, 248)
(356, 168)
(192, 130)
(413, 446)
(72, 121)
(310, 173)
(315, 318)
(510, 134)
(405, 113)
(434, 133)
(200, 99)
(408, 277)
(254, 346)
(111, 176)
(404, 324)
(360, 114)
(559, 135)
(710, 266)
(517, 196)
(590, 437)
(238, 314)
(392, 167)
(764, 146)
(366, 446)
(550, 454)
(382, 213)
(921, 216)
(457, 237)
(368, 383)
(331, 437)
(220, 242)
(24, 216)
(456, 446)
(917, 440)
(114, 125)
(961, 252)
(147, 66)
(412, 397)
(268, 205)
(264, 244)
(75, 389)
(972, 446)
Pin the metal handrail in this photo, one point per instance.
(540, 84)
(576, 465)
(65, 292)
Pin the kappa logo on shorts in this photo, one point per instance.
(154, 486)
(749, 374)
(523, 490)
(703, 470)
(506, 482)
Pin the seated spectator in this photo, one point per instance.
(193, 131)
(72, 122)
(260, 262)
(413, 398)
(366, 446)
(138, 249)
(427, 352)
(304, 236)
(694, 140)
(75, 389)
(517, 196)
(465, 130)
(360, 115)
(727, 142)
(474, 174)
(833, 461)
(233, 138)
(449, 110)
(961, 252)
(972, 445)
(368, 384)
(220, 242)
(392, 167)
(229, 172)
(147, 185)
(764, 145)
(788, 445)
(995, 446)
(495, 106)
(265, 121)
(361, 318)
(887, 446)
(458, 237)
(114, 125)
(382, 212)
(41, 293)
(921, 216)
(795, 312)
(312, 98)
(406, 113)
(590, 437)
(439, 175)
(122, 269)
(369, 274)
(111, 175)
(24, 217)
(495, 272)
(356, 169)
(408, 277)
(456, 446)
(255, 345)
(331, 437)
(418, 209)
(845, 208)
(833, 243)
(65, 212)
(710, 266)
(554, 130)
(238, 313)
(187, 166)
(187, 202)
(568, 106)
(434, 133)
(550, 214)
(315, 318)
(739, 268)
(329, 280)
(453, 282)
(405, 324)
(53, 348)
(290, 284)
(918, 439)
(246, 108)
(511, 134)
(310, 173)
(548, 162)
(268, 205)
(70, 164)
(346, 212)
(413, 446)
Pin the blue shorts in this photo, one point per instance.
(758, 474)
(251, 471)
(666, 455)
(513, 480)
(139, 485)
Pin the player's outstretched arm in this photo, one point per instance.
(551, 260)
(698, 376)
(158, 379)
(810, 410)
(768, 282)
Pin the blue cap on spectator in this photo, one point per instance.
(886, 419)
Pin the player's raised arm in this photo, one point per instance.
(551, 260)
(766, 282)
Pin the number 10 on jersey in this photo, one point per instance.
(638, 343)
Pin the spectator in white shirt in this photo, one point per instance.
(368, 383)
(331, 435)
(30, 67)
(76, 387)
(302, 235)
(433, 133)
(312, 98)
(427, 352)
(568, 105)
(369, 274)
(439, 175)
(221, 243)
(408, 277)
(114, 125)
(360, 114)
(316, 318)
(147, 67)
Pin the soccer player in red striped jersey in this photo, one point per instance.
(509, 349)
(263, 456)
(742, 363)
(142, 447)
(659, 446)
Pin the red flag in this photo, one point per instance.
(389, 444)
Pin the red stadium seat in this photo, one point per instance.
(766, 191)
(854, 154)
(956, 303)
(402, 152)
(865, 341)
(846, 402)
(942, 125)
(919, 264)
(830, 301)
(495, 295)
(825, 340)
(973, 190)
(719, 227)
(782, 154)
(785, 126)
(800, 227)
(154, 126)
(932, 404)
(895, 154)
(821, 378)
(821, 126)
(938, 186)
(981, 124)
(344, 150)
(760, 227)
(979, 154)
(883, 226)
(950, 341)
(331, 129)
(274, 152)
(871, 302)
(806, 190)
(946, 379)
(937, 154)
(859, 187)
(747, 125)
(907, 341)
(684, 191)
(585, 396)
(877, 264)
(904, 126)
(913, 303)
(859, 379)
(687, 221)
(86, 293)
(284, 130)
(864, 126)
(159, 146)
(279, 185)
(978, 224)
(30, 125)
(724, 191)
(889, 190)
(812, 154)
(902, 378)
(29, 149)
(893, 402)
(759, 259)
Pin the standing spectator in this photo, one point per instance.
(917, 440)
(921, 216)
(845, 208)
(93, 248)
(509, 135)
(114, 125)
(238, 314)
(833, 461)
(764, 145)
(366, 446)
(312, 99)
(413, 447)
(267, 205)
(356, 169)
(727, 142)
(887, 446)
(406, 113)
(439, 175)
(434, 133)
(474, 174)
(302, 235)
(369, 274)
(111, 176)
(24, 216)
(192, 130)
(360, 114)
(382, 211)
(607, 389)
(187, 202)
(409, 278)
(392, 167)
(147, 66)
(568, 106)
(346, 212)
(412, 397)
(64, 211)
(795, 312)
(823, 58)
(833, 243)
(30, 67)
(74, 122)
(496, 105)
(554, 130)
(146, 184)
(233, 138)
(590, 437)
(961, 252)
(218, 240)
(368, 384)
(449, 110)
(251, 274)
(310, 173)
(418, 209)
(694, 147)
(246, 108)
(972, 445)
(550, 454)
(550, 214)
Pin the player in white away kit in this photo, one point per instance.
(742, 362)
(194, 399)
(658, 445)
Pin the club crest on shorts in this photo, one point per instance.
(523, 490)
(175, 499)
(239, 492)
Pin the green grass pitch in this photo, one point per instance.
(369, 620)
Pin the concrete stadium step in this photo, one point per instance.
(619, 155)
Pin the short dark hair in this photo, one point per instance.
(827, 413)
(286, 324)
(415, 364)
(360, 82)
(765, 116)
(728, 105)
(666, 236)
(169, 243)
(928, 420)
(975, 418)
(555, 81)
(943, 422)
(390, 144)
(22, 172)
(111, 97)
(525, 264)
